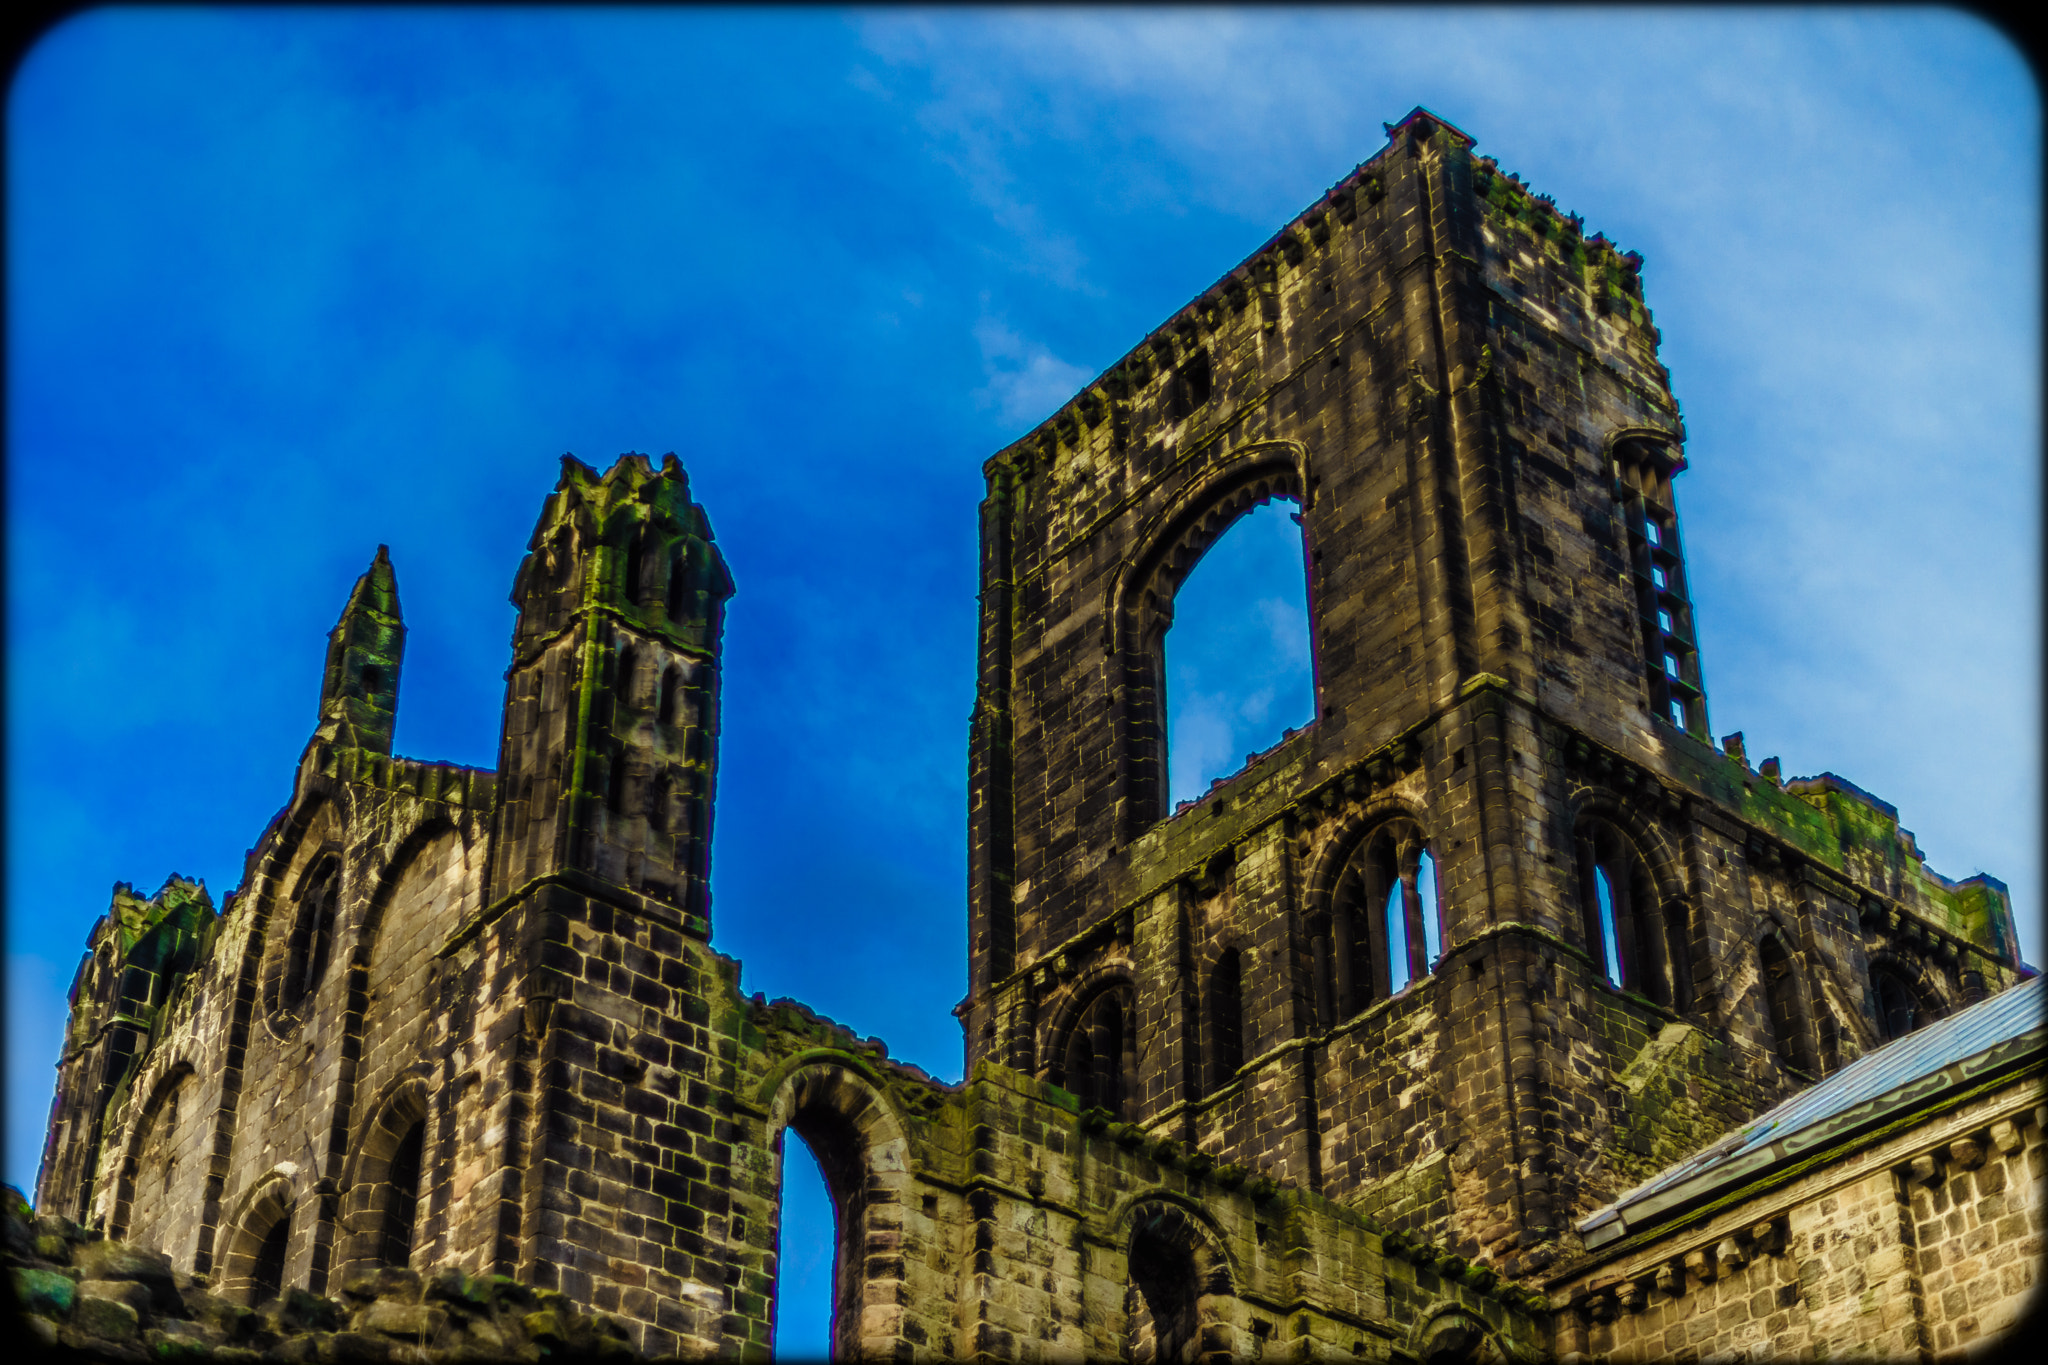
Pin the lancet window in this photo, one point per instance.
(1783, 1005)
(1384, 928)
(1639, 944)
(1097, 1054)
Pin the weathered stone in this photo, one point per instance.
(1498, 935)
(50, 1293)
(117, 1261)
(418, 1322)
(112, 1319)
(136, 1296)
(354, 1348)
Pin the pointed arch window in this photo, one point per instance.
(1782, 1004)
(1900, 1009)
(402, 1201)
(312, 931)
(266, 1270)
(1384, 930)
(1097, 1055)
(1637, 940)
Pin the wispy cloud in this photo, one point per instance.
(1026, 381)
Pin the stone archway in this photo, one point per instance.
(861, 1150)
(1456, 1337)
(255, 1266)
(384, 1180)
(1177, 1272)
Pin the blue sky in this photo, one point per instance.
(285, 284)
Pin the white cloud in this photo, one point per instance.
(1287, 622)
(1026, 382)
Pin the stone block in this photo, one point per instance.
(107, 1319)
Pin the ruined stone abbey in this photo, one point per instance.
(1438, 1032)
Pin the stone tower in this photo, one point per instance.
(1509, 764)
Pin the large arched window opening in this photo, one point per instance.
(1384, 928)
(1143, 603)
(1226, 1018)
(1782, 1004)
(805, 1256)
(1638, 943)
(1098, 1055)
(1235, 664)
(144, 1197)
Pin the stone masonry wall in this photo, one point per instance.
(1924, 1241)
(1460, 390)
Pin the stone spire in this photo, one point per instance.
(359, 693)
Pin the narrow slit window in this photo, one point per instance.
(1397, 938)
(804, 1266)
(1610, 944)
(671, 689)
(1671, 665)
(1651, 533)
(1432, 921)
(402, 1198)
(266, 1276)
(1664, 622)
(1657, 576)
(678, 584)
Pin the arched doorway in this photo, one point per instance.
(861, 1157)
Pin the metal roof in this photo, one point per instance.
(1987, 1036)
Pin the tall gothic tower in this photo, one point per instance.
(1395, 958)
(611, 700)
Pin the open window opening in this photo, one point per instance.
(1782, 1004)
(1900, 1009)
(253, 1268)
(1174, 1267)
(312, 930)
(1236, 664)
(1162, 1322)
(827, 1184)
(805, 1256)
(266, 1271)
(1637, 940)
(1384, 929)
